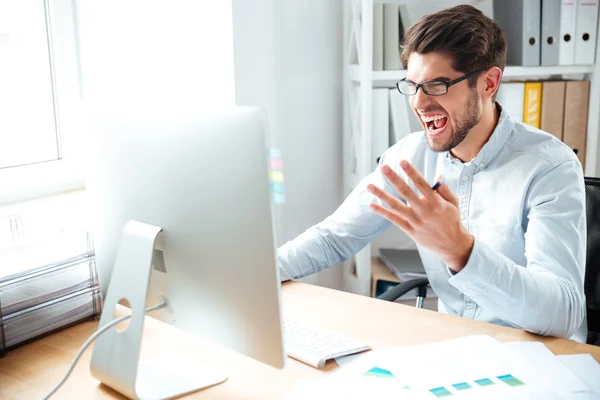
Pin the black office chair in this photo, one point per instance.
(420, 284)
(592, 266)
(592, 262)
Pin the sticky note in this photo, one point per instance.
(275, 176)
(278, 198)
(277, 187)
(274, 153)
(276, 164)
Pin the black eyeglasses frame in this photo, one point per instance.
(439, 81)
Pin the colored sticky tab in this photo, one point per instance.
(277, 187)
(461, 386)
(510, 380)
(276, 176)
(484, 382)
(274, 153)
(379, 372)
(276, 164)
(440, 392)
(278, 198)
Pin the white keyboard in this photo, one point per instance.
(314, 346)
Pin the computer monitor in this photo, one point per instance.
(200, 176)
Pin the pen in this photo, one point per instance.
(438, 184)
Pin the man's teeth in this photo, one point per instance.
(432, 118)
(429, 121)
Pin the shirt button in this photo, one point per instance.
(482, 165)
(465, 178)
(463, 216)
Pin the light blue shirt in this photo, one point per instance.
(523, 200)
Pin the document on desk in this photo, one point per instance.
(586, 368)
(537, 358)
(345, 360)
(469, 367)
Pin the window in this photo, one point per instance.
(190, 52)
(39, 81)
(28, 127)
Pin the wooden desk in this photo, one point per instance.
(31, 371)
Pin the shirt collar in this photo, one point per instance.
(494, 144)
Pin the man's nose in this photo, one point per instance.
(420, 100)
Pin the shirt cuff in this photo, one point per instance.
(283, 274)
(479, 272)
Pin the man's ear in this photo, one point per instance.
(492, 78)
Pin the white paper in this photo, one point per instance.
(539, 363)
(345, 360)
(586, 369)
(474, 367)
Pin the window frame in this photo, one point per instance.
(24, 182)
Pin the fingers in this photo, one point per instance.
(392, 216)
(420, 183)
(446, 193)
(398, 183)
(395, 204)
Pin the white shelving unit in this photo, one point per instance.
(360, 79)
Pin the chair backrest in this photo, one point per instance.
(592, 263)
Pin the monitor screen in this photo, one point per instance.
(202, 177)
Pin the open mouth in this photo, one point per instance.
(435, 124)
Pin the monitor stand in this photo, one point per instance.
(116, 357)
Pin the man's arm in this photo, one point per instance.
(350, 228)
(547, 296)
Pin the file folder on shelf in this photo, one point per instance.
(511, 96)
(585, 32)
(378, 37)
(576, 117)
(380, 137)
(550, 32)
(553, 108)
(400, 117)
(392, 33)
(520, 21)
(533, 104)
(568, 17)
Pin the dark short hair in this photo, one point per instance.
(474, 41)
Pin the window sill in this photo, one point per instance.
(36, 181)
(30, 221)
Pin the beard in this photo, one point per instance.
(468, 120)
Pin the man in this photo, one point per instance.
(503, 240)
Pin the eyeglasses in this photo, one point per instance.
(435, 87)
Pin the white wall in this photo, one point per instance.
(288, 60)
(138, 52)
